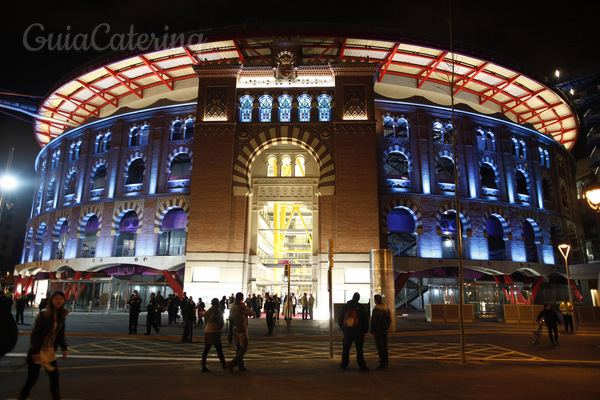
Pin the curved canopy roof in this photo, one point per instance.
(139, 80)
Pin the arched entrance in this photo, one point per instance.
(284, 215)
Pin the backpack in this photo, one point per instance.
(351, 319)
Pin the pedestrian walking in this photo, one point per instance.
(189, 317)
(151, 316)
(47, 334)
(160, 308)
(567, 311)
(354, 324)
(212, 333)
(551, 320)
(201, 307)
(20, 305)
(380, 323)
(238, 316)
(269, 312)
(135, 307)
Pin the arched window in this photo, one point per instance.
(438, 132)
(265, 106)
(449, 231)
(402, 239)
(71, 186)
(189, 129)
(388, 126)
(402, 128)
(300, 166)
(495, 237)
(59, 241)
(449, 134)
(38, 250)
(445, 170)
(541, 159)
(481, 139)
(107, 140)
(176, 130)
(72, 152)
(547, 191)
(50, 193)
(135, 172)
(285, 107)
(90, 237)
(547, 157)
(134, 136)
(304, 104)
(530, 238)
(126, 238)
(324, 105)
(272, 166)
(246, 105)
(98, 144)
(491, 140)
(55, 159)
(99, 177)
(515, 147)
(286, 166)
(488, 176)
(522, 186)
(396, 165)
(523, 148)
(173, 235)
(144, 133)
(77, 150)
(180, 167)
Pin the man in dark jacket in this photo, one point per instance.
(552, 322)
(135, 306)
(354, 323)
(380, 323)
(269, 311)
(20, 306)
(151, 317)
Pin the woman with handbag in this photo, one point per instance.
(47, 334)
(212, 333)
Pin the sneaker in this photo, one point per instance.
(204, 369)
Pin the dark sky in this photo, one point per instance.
(531, 35)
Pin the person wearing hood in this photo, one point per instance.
(47, 334)
(354, 323)
(380, 323)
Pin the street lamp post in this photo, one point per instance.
(564, 250)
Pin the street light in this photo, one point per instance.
(592, 195)
(564, 250)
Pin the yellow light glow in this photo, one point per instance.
(593, 198)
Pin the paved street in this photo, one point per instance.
(106, 363)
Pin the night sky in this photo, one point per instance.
(530, 36)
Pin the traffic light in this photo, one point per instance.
(286, 272)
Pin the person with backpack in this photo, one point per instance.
(380, 323)
(354, 323)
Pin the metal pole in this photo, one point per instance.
(288, 312)
(575, 322)
(457, 204)
(329, 289)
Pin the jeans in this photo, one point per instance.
(33, 372)
(568, 322)
(358, 338)
(241, 343)
(381, 343)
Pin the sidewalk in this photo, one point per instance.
(97, 324)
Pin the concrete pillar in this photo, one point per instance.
(382, 280)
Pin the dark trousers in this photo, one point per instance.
(568, 322)
(19, 313)
(151, 323)
(133, 322)
(270, 321)
(218, 347)
(358, 338)
(304, 312)
(188, 330)
(33, 372)
(553, 328)
(381, 343)
(241, 344)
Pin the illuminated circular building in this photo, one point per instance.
(212, 166)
